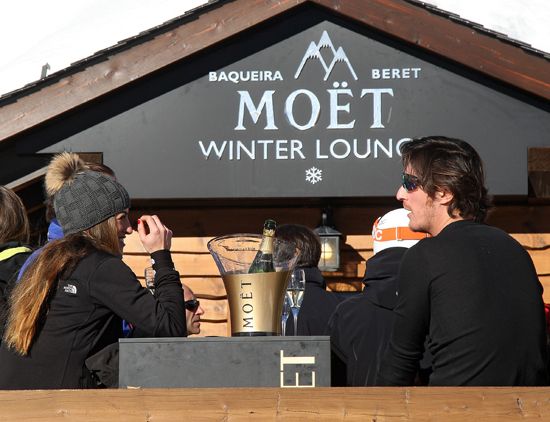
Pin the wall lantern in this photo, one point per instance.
(330, 245)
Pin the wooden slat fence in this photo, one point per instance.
(379, 404)
(199, 272)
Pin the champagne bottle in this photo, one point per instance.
(263, 262)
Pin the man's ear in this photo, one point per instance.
(444, 197)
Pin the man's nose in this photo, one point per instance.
(401, 192)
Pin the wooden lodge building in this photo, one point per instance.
(244, 110)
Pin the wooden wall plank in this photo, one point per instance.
(206, 287)
(197, 264)
(186, 264)
(179, 244)
(344, 286)
(362, 242)
(353, 219)
(214, 329)
(358, 242)
(198, 270)
(214, 310)
(533, 240)
(521, 218)
(541, 259)
(210, 221)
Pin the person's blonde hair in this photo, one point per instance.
(14, 224)
(30, 298)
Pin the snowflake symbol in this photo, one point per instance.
(314, 175)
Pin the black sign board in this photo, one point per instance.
(318, 113)
(285, 362)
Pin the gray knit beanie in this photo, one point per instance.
(87, 200)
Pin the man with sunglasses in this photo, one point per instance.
(193, 311)
(471, 288)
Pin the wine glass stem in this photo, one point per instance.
(283, 327)
(295, 318)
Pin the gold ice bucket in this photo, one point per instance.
(255, 300)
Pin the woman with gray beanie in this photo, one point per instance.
(70, 301)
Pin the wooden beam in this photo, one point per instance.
(457, 42)
(138, 61)
(289, 404)
(29, 179)
(539, 172)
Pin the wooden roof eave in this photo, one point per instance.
(398, 18)
(27, 180)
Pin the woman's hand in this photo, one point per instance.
(154, 235)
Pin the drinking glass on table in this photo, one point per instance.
(285, 315)
(295, 294)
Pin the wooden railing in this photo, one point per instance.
(198, 270)
(378, 404)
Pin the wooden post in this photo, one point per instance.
(539, 172)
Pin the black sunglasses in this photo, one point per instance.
(192, 305)
(410, 182)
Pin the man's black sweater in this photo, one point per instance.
(474, 290)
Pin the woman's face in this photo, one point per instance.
(123, 227)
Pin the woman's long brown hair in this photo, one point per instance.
(29, 300)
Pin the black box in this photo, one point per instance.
(225, 362)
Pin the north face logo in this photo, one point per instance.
(70, 289)
(314, 52)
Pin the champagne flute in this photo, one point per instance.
(295, 294)
(285, 314)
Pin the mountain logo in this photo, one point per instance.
(70, 289)
(314, 52)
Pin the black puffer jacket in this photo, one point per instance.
(360, 327)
